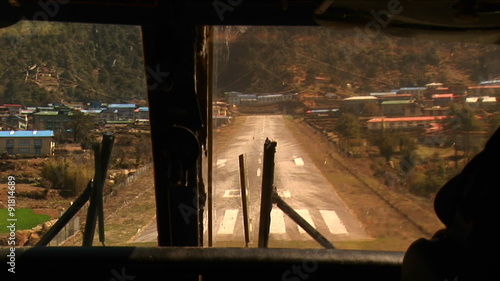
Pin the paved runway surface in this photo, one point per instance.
(299, 182)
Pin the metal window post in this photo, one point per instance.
(267, 192)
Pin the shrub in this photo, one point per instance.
(65, 175)
(428, 178)
(422, 184)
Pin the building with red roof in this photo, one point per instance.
(404, 123)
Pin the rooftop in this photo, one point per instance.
(91, 111)
(121, 105)
(383, 94)
(397, 102)
(51, 113)
(489, 99)
(413, 88)
(361, 98)
(472, 99)
(438, 96)
(406, 119)
(489, 82)
(25, 134)
(484, 87)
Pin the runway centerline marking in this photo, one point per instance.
(231, 193)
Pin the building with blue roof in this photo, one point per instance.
(124, 111)
(36, 143)
(143, 112)
(121, 105)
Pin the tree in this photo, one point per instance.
(348, 126)
(464, 118)
(79, 127)
(406, 144)
(390, 143)
(386, 148)
(466, 129)
(11, 92)
(385, 143)
(429, 177)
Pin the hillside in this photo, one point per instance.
(266, 59)
(43, 62)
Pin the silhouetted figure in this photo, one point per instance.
(469, 206)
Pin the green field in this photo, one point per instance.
(26, 219)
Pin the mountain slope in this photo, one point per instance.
(44, 62)
(264, 59)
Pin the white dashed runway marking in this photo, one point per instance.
(304, 213)
(228, 222)
(333, 222)
(277, 222)
(298, 161)
(221, 163)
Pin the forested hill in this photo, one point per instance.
(44, 63)
(264, 59)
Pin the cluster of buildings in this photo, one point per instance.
(413, 107)
(54, 116)
(30, 130)
(237, 98)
